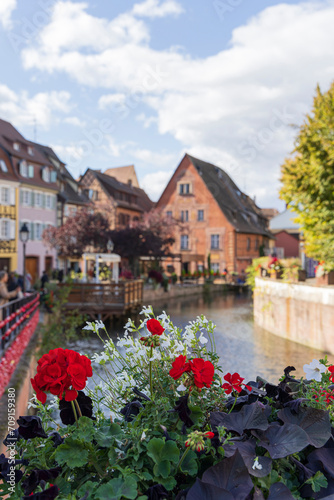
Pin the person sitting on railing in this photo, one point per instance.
(5, 295)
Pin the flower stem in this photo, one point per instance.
(75, 413)
(235, 400)
(182, 458)
(78, 407)
(151, 382)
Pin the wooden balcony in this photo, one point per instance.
(105, 300)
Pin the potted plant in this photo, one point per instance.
(323, 275)
(275, 268)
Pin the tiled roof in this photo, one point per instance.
(239, 209)
(285, 220)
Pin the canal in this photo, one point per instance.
(242, 346)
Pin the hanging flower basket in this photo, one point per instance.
(166, 422)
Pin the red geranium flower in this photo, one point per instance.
(154, 326)
(62, 372)
(209, 435)
(180, 365)
(331, 369)
(203, 372)
(234, 382)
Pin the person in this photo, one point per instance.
(60, 276)
(12, 283)
(5, 295)
(28, 282)
(44, 279)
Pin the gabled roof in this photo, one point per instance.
(112, 185)
(239, 209)
(284, 221)
(124, 174)
(51, 156)
(9, 135)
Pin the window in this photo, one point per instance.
(184, 189)
(26, 197)
(3, 166)
(184, 242)
(46, 174)
(48, 201)
(5, 196)
(16, 146)
(257, 244)
(248, 244)
(5, 229)
(23, 168)
(38, 231)
(200, 215)
(31, 171)
(54, 176)
(169, 214)
(30, 151)
(184, 216)
(215, 267)
(215, 241)
(38, 199)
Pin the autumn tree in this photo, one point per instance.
(308, 178)
(85, 228)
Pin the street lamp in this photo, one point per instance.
(24, 237)
(110, 246)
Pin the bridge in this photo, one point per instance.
(19, 319)
(105, 300)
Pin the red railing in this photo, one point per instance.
(14, 317)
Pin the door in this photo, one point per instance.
(32, 268)
(48, 264)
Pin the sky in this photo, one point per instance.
(109, 83)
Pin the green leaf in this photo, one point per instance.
(106, 435)
(72, 453)
(189, 464)
(159, 451)
(162, 469)
(117, 488)
(168, 483)
(317, 481)
(88, 486)
(85, 430)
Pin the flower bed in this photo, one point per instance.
(165, 421)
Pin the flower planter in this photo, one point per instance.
(276, 275)
(325, 279)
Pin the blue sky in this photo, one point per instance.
(142, 82)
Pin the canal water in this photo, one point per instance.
(242, 346)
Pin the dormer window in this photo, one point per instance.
(30, 151)
(53, 176)
(16, 146)
(3, 166)
(23, 168)
(31, 171)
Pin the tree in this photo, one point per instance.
(85, 228)
(308, 178)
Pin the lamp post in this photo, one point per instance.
(110, 246)
(24, 237)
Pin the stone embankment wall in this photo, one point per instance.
(298, 312)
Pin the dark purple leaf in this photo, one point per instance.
(282, 441)
(324, 456)
(249, 417)
(257, 495)
(31, 427)
(289, 369)
(314, 422)
(230, 474)
(131, 410)
(157, 492)
(141, 395)
(248, 453)
(294, 405)
(278, 491)
(207, 491)
(304, 473)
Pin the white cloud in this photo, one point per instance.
(154, 8)
(75, 121)
(111, 101)
(155, 183)
(156, 159)
(234, 107)
(44, 107)
(6, 9)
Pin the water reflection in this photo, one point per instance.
(241, 345)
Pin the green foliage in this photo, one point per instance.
(308, 178)
(62, 327)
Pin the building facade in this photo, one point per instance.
(216, 222)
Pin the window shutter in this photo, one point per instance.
(43, 200)
(53, 176)
(53, 202)
(32, 230)
(21, 196)
(12, 196)
(31, 171)
(12, 229)
(32, 199)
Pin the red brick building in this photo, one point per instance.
(217, 219)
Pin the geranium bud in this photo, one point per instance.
(209, 435)
(187, 443)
